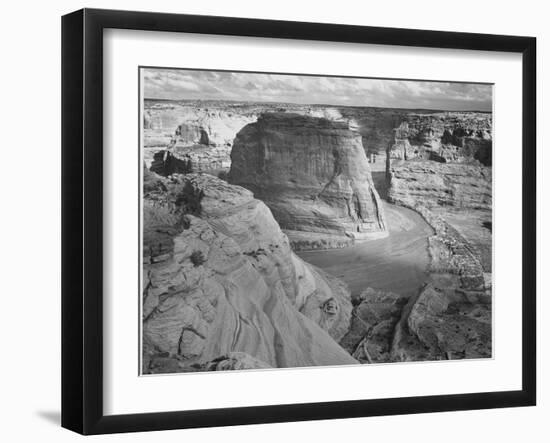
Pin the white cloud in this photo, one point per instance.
(219, 85)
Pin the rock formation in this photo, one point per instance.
(212, 128)
(444, 324)
(219, 277)
(224, 291)
(443, 139)
(434, 184)
(458, 135)
(196, 136)
(421, 128)
(234, 361)
(375, 317)
(441, 322)
(376, 126)
(313, 174)
(450, 317)
(196, 158)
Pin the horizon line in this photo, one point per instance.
(314, 104)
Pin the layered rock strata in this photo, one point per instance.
(457, 136)
(184, 159)
(445, 140)
(433, 184)
(192, 123)
(444, 323)
(198, 138)
(314, 176)
(449, 318)
(420, 128)
(219, 277)
(374, 319)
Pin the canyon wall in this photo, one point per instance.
(409, 133)
(444, 185)
(200, 139)
(444, 137)
(204, 131)
(181, 137)
(222, 288)
(314, 176)
(450, 317)
(376, 126)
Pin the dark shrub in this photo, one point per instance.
(197, 258)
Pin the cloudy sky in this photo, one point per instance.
(178, 84)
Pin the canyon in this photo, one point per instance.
(313, 174)
(219, 277)
(283, 235)
(193, 125)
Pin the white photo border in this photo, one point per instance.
(125, 392)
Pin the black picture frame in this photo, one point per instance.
(82, 218)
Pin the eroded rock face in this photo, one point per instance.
(164, 163)
(433, 184)
(184, 159)
(450, 317)
(422, 129)
(212, 127)
(451, 137)
(370, 338)
(234, 361)
(439, 323)
(199, 137)
(444, 324)
(220, 277)
(312, 173)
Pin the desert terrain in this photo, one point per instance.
(284, 235)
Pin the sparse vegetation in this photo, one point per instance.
(197, 258)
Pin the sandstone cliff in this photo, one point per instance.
(451, 137)
(312, 173)
(434, 184)
(422, 131)
(190, 138)
(405, 133)
(450, 317)
(219, 277)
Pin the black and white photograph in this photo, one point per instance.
(306, 220)
(275, 222)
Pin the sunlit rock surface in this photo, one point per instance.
(448, 137)
(219, 277)
(439, 165)
(434, 184)
(312, 173)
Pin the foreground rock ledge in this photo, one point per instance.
(314, 176)
(219, 277)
